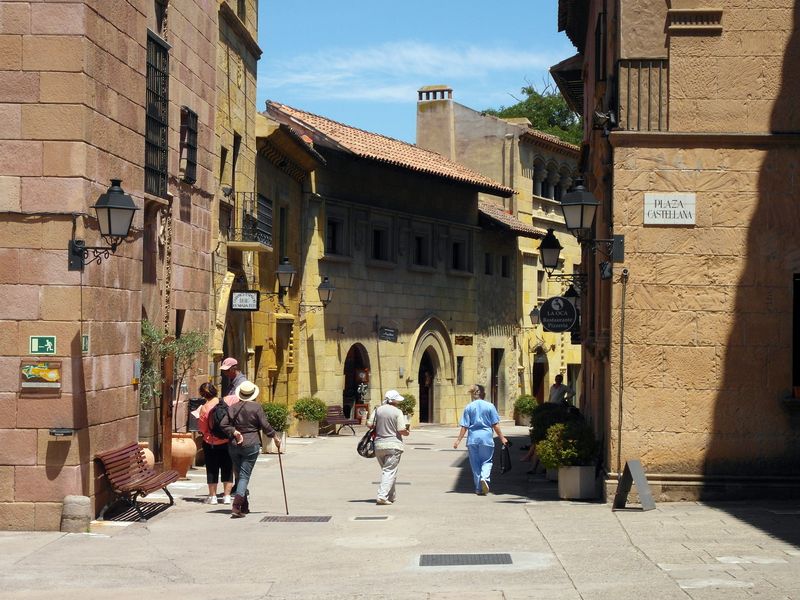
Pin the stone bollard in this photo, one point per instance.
(76, 514)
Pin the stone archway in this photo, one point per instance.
(432, 354)
(356, 372)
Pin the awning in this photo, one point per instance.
(568, 75)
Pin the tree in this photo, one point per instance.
(547, 111)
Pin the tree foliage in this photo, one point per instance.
(547, 111)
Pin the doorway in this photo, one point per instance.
(356, 379)
(498, 384)
(426, 377)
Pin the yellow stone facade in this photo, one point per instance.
(693, 350)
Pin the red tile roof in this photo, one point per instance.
(541, 138)
(506, 220)
(384, 149)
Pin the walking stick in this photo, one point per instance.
(283, 482)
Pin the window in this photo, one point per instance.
(237, 144)
(380, 244)
(488, 267)
(600, 47)
(157, 110)
(188, 144)
(540, 291)
(225, 221)
(505, 266)
(283, 225)
(459, 370)
(422, 251)
(223, 161)
(336, 232)
(264, 220)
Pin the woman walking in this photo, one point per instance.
(242, 423)
(480, 419)
(215, 450)
(390, 426)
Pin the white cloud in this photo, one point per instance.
(391, 72)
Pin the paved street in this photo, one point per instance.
(558, 550)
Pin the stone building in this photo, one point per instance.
(692, 151)
(93, 92)
(400, 233)
(540, 168)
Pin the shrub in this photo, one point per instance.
(277, 415)
(310, 409)
(548, 414)
(524, 405)
(408, 404)
(567, 445)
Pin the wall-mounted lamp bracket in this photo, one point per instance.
(78, 254)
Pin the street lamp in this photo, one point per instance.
(115, 210)
(579, 206)
(534, 315)
(325, 290)
(550, 249)
(285, 274)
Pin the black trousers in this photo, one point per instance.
(218, 462)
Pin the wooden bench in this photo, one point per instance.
(336, 416)
(130, 477)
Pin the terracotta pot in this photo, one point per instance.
(183, 451)
(149, 457)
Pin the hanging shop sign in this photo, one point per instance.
(557, 314)
(245, 300)
(388, 334)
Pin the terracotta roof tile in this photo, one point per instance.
(500, 217)
(536, 136)
(385, 149)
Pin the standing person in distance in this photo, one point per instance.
(480, 419)
(232, 377)
(243, 422)
(560, 393)
(215, 449)
(390, 427)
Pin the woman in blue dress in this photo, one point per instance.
(481, 420)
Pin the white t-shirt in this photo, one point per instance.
(559, 393)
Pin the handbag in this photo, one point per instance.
(505, 459)
(366, 445)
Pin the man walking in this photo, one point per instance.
(390, 427)
(232, 377)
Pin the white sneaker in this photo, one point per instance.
(382, 502)
(211, 500)
(226, 500)
(484, 487)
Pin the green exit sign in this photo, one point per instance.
(42, 344)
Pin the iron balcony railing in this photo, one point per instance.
(252, 219)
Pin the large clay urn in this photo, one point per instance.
(183, 451)
(149, 457)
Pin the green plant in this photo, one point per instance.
(185, 350)
(524, 405)
(548, 414)
(567, 445)
(408, 404)
(152, 350)
(277, 415)
(310, 409)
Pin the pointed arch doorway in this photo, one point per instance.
(426, 377)
(356, 373)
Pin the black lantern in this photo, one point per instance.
(115, 211)
(572, 295)
(534, 315)
(579, 206)
(550, 250)
(285, 274)
(325, 290)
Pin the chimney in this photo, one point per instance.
(435, 120)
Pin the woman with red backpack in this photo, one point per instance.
(215, 446)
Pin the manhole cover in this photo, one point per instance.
(288, 519)
(458, 560)
(384, 518)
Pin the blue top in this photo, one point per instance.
(478, 418)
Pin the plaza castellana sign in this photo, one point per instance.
(557, 314)
(669, 208)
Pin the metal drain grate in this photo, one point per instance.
(384, 518)
(423, 448)
(288, 519)
(458, 560)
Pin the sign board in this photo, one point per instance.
(40, 378)
(634, 473)
(42, 345)
(463, 340)
(85, 344)
(245, 300)
(557, 314)
(669, 208)
(388, 334)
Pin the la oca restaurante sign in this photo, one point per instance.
(669, 208)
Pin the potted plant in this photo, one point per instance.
(545, 416)
(309, 411)
(523, 408)
(278, 417)
(407, 406)
(571, 448)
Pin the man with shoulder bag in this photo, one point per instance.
(390, 427)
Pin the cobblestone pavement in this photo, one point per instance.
(548, 549)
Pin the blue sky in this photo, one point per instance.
(362, 62)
